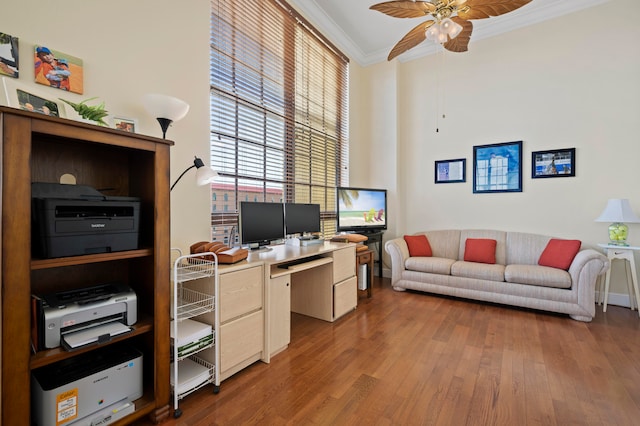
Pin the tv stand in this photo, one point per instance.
(375, 237)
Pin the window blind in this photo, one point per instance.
(279, 112)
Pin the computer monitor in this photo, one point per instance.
(301, 218)
(261, 223)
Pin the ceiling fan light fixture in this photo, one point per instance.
(433, 32)
(451, 28)
(440, 32)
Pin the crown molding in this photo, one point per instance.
(533, 13)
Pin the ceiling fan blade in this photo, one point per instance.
(405, 9)
(412, 39)
(481, 9)
(461, 42)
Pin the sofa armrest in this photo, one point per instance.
(589, 257)
(584, 270)
(399, 253)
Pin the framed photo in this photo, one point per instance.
(497, 167)
(451, 171)
(553, 163)
(60, 70)
(9, 65)
(126, 124)
(29, 98)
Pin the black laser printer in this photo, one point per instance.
(73, 220)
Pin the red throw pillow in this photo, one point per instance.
(480, 250)
(418, 245)
(559, 253)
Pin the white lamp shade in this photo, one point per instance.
(164, 106)
(205, 175)
(618, 210)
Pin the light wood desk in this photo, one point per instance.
(258, 295)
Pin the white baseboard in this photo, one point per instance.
(616, 299)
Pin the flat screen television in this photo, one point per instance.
(361, 209)
(260, 223)
(300, 218)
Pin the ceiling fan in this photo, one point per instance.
(451, 25)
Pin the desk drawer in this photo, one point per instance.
(240, 292)
(241, 339)
(344, 263)
(345, 297)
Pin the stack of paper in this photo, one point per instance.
(190, 376)
(192, 336)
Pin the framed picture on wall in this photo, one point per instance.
(497, 167)
(60, 70)
(9, 65)
(553, 163)
(451, 171)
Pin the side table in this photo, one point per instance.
(365, 257)
(625, 253)
(376, 238)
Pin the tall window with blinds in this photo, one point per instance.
(279, 112)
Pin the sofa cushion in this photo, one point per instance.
(524, 248)
(559, 253)
(432, 265)
(499, 236)
(537, 275)
(481, 250)
(418, 245)
(444, 243)
(481, 271)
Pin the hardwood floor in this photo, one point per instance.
(412, 359)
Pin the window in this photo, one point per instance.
(279, 122)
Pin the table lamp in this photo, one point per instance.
(618, 211)
(204, 175)
(166, 109)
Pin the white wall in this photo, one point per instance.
(131, 48)
(373, 123)
(571, 82)
(560, 84)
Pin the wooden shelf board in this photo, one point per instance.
(88, 258)
(49, 356)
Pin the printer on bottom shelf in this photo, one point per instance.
(95, 388)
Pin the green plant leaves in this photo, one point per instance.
(94, 113)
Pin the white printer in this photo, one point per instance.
(95, 388)
(79, 317)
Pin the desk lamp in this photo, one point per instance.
(166, 109)
(204, 175)
(618, 211)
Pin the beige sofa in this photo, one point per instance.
(515, 278)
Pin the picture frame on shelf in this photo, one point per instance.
(497, 167)
(553, 163)
(29, 98)
(125, 124)
(451, 171)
